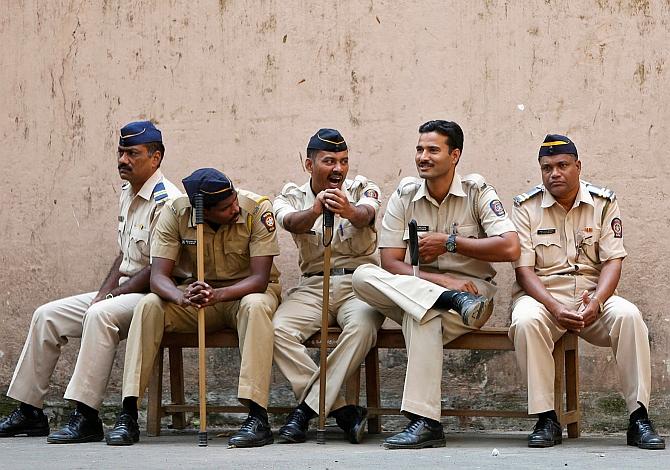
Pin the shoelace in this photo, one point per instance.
(298, 416)
(75, 418)
(644, 426)
(414, 425)
(123, 419)
(248, 424)
(15, 415)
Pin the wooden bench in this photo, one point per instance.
(566, 382)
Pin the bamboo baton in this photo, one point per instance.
(328, 223)
(202, 383)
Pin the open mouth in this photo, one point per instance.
(424, 166)
(335, 181)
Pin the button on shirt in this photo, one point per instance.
(137, 216)
(351, 246)
(228, 249)
(471, 209)
(562, 244)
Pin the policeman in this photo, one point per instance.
(463, 228)
(241, 291)
(100, 318)
(571, 256)
(299, 210)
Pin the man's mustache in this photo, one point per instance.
(124, 167)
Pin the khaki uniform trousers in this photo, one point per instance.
(620, 327)
(299, 317)
(251, 316)
(100, 326)
(408, 300)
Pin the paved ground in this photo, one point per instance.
(463, 450)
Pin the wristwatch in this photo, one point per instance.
(450, 245)
(109, 296)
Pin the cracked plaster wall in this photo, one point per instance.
(241, 85)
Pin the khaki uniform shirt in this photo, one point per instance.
(227, 250)
(567, 249)
(137, 218)
(471, 209)
(351, 246)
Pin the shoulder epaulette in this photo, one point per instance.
(408, 183)
(160, 193)
(249, 201)
(475, 178)
(358, 181)
(600, 192)
(288, 187)
(521, 198)
(179, 204)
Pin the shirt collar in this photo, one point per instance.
(147, 190)
(583, 195)
(456, 189)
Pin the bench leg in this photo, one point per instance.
(559, 377)
(572, 385)
(177, 386)
(155, 397)
(372, 389)
(353, 388)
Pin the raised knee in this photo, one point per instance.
(362, 275)
(43, 314)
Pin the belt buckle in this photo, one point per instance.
(337, 272)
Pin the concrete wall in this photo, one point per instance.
(240, 85)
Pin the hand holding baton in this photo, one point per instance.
(202, 383)
(328, 224)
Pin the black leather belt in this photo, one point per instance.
(333, 272)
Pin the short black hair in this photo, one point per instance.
(155, 146)
(449, 129)
(312, 153)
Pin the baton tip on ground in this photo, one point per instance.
(202, 439)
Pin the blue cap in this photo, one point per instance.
(329, 140)
(556, 144)
(212, 184)
(140, 132)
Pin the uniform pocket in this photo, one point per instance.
(139, 244)
(588, 251)
(548, 250)
(357, 241)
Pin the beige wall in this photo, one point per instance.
(240, 85)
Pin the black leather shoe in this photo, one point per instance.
(475, 310)
(254, 433)
(352, 420)
(295, 429)
(641, 433)
(19, 422)
(546, 433)
(78, 429)
(418, 434)
(125, 433)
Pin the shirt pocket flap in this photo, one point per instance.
(546, 240)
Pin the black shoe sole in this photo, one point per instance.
(544, 444)
(359, 431)
(289, 439)
(244, 445)
(421, 445)
(114, 442)
(659, 446)
(79, 440)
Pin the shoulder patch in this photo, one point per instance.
(497, 207)
(268, 220)
(521, 198)
(407, 184)
(600, 192)
(160, 193)
(475, 178)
